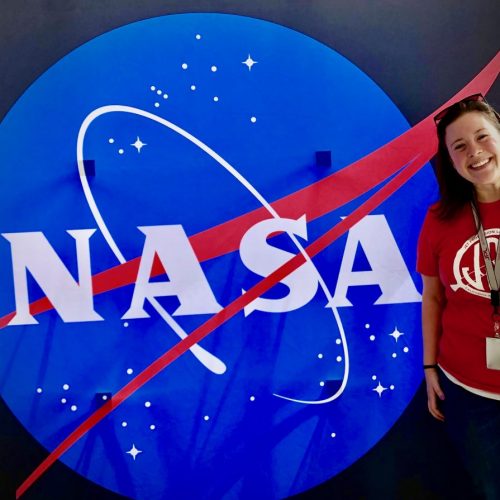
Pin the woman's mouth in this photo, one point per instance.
(480, 165)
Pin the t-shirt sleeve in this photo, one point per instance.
(427, 259)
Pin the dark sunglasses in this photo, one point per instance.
(444, 112)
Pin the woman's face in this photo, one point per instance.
(473, 144)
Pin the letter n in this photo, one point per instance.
(72, 300)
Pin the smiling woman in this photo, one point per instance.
(473, 142)
(458, 257)
(468, 131)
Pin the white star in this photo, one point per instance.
(249, 62)
(379, 389)
(138, 144)
(396, 334)
(134, 451)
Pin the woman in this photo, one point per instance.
(457, 258)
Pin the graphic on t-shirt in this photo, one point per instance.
(469, 267)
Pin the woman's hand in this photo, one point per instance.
(434, 393)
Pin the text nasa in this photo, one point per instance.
(73, 300)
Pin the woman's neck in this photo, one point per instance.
(487, 193)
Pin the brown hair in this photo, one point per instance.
(455, 190)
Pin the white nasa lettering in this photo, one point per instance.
(187, 281)
(261, 258)
(31, 252)
(388, 269)
(72, 300)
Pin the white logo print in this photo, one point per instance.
(469, 268)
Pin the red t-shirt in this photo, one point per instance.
(451, 250)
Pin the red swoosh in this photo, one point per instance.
(314, 200)
(408, 146)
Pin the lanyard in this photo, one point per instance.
(493, 275)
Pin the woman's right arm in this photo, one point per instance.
(433, 301)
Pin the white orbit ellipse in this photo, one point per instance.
(210, 361)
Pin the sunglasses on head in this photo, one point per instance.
(444, 112)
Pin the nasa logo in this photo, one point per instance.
(195, 125)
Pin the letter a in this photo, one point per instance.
(187, 280)
(388, 269)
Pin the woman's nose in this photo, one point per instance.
(474, 149)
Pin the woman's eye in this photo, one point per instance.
(459, 147)
(482, 136)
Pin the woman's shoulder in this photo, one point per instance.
(438, 227)
(433, 214)
(438, 215)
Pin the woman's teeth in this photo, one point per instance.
(480, 164)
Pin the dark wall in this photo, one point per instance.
(420, 53)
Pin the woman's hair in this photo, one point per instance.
(455, 190)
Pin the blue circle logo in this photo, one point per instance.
(154, 177)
